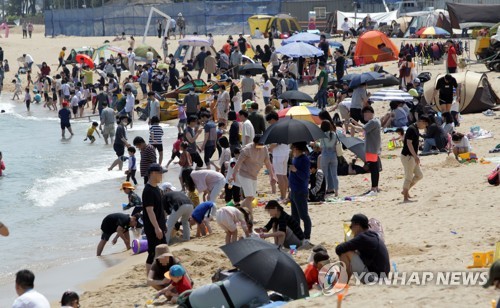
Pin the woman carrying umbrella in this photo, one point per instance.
(328, 161)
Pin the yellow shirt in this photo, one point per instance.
(62, 54)
(91, 131)
(88, 75)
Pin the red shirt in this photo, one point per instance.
(183, 285)
(451, 61)
(177, 145)
(227, 48)
(311, 273)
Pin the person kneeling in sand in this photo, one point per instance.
(311, 272)
(228, 217)
(366, 254)
(180, 283)
(119, 223)
(164, 260)
(286, 230)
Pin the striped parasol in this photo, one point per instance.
(306, 113)
(391, 95)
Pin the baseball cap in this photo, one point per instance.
(416, 80)
(360, 219)
(494, 274)
(127, 185)
(175, 271)
(167, 185)
(321, 256)
(155, 168)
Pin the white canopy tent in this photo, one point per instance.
(356, 18)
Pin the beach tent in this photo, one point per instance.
(436, 18)
(105, 51)
(473, 15)
(187, 52)
(367, 50)
(259, 21)
(476, 92)
(141, 50)
(282, 22)
(89, 51)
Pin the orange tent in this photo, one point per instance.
(369, 48)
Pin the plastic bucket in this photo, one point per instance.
(139, 245)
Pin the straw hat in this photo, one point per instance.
(127, 185)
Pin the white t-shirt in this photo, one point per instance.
(455, 106)
(31, 299)
(345, 26)
(149, 56)
(131, 59)
(269, 85)
(28, 58)
(74, 101)
(65, 89)
(247, 130)
(153, 108)
(463, 144)
(129, 103)
(237, 102)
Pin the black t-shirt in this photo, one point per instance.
(174, 199)
(234, 131)
(437, 133)
(325, 47)
(372, 251)
(242, 44)
(411, 134)
(111, 222)
(284, 221)
(160, 269)
(151, 196)
(446, 89)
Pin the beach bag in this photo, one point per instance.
(493, 178)
(424, 76)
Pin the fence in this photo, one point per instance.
(217, 17)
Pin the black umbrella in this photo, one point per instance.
(354, 144)
(253, 69)
(268, 266)
(288, 131)
(296, 95)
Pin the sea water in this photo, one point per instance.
(55, 192)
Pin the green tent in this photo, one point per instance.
(143, 49)
(494, 29)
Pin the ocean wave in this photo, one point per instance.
(93, 206)
(46, 192)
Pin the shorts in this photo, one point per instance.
(65, 125)
(248, 186)
(182, 123)
(225, 221)
(441, 102)
(82, 103)
(75, 109)
(91, 138)
(356, 114)
(280, 165)
(344, 112)
(109, 130)
(105, 236)
(175, 154)
(119, 149)
(159, 147)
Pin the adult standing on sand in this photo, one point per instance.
(409, 156)
(25, 30)
(154, 215)
(181, 23)
(28, 297)
(62, 54)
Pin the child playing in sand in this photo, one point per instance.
(2, 165)
(312, 269)
(460, 144)
(176, 149)
(17, 90)
(90, 132)
(201, 217)
(180, 283)
(132, 165)
(65, 116)
(134, 201)
(27, 98)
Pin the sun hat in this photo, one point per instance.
(167, 185)
(360, 219)
(127, 185)
(180, 14)
(162, 250)
(175, 271)
(494, 274)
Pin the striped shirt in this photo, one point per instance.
(148, 157)
(155, 134)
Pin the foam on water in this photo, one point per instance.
(94, 206)
(46, 192)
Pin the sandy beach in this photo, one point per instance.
(455, 213)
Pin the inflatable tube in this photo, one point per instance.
(139, 246)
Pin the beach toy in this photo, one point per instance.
(255, 202)
(293, 249)
(347, 231)
(480, 259)
(490, 257)
(394, 267)
(391, 145)
(139, 246)
(230, 203)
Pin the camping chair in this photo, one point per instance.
(309, 73)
